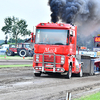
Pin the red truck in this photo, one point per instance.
(55, 50)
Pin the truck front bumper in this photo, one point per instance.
(48, 69)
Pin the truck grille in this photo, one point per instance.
(48, 58)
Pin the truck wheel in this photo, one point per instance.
(22, 53)
(80, 74)
(69, 74)
(37, 74)
(10, 53)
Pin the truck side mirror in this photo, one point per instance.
(71, 33)
(32, 37)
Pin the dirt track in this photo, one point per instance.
(14, 62)
(20, 84)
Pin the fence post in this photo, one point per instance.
(68, 96)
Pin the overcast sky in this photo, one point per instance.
(33, 11)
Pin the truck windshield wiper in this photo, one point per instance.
(41, 43)
(50, 43)
(59, 44)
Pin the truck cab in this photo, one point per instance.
(55, 49)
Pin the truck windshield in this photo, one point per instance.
(51, 36)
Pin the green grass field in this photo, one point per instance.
(2, 55)
(95, 96)
(3, 66)
(13, 57)
(5, 57)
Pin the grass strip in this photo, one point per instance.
(2, 66)
(9, 56)
(13, 57)
(2, 55)
(95, 96)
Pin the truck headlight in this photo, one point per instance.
(62, 59)
(37, 58)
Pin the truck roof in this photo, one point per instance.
(55, 26)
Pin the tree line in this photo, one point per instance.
(17, 28)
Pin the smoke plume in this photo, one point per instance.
(83, 13)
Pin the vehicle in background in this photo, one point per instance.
(96, 47)
(22, 49)
(3, 49)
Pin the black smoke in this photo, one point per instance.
(56, 9)
(70, 11)
(83, 13)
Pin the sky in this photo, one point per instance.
(32, 11)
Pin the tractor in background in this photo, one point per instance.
(22, 49)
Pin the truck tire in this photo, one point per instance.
(23, 53)
(80, 74)
(37, 74)
(10, 53)
(69, 74)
